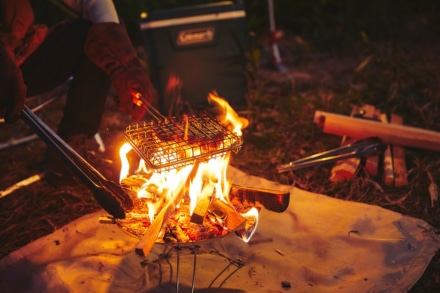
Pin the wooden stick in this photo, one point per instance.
(389, 133)
(144, 246)
(233, 219)
(202, 204)
(372, 162)
(388, 172)
(399, 164)
(22, 183)
(149, 239)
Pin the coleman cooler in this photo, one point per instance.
(195, 50)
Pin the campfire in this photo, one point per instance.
(175, 171)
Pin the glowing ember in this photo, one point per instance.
(200, 190)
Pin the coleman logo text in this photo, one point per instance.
(194, 36)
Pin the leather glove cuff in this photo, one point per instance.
(110, 48)
(12, 87)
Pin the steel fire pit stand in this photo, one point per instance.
(197, 249)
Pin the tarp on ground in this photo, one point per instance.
(319, 244)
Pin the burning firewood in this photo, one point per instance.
(202, 204)
(213, 217)
(180, 185)
(151, 235)
(149, 239)
(133, 182)
(246, 197)
(226, 214)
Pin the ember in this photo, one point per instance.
(179, 228)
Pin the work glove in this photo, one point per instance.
(109, 47)
(12, 87)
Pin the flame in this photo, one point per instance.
(227, 115)
(125, 165)
(174, 83)
(248, 231)
(200, 180)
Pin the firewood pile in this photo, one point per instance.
(211, 218)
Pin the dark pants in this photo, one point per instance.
(59, 57)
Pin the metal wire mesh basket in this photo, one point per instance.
(166, 144)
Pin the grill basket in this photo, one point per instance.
(167, 144)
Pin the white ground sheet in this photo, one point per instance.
(320, 244)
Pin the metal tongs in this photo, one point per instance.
(370, 146)
(107, 193)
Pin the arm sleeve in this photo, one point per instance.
(96, 11)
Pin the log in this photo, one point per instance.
(399, 163)
(372, 162)
(388, 171)
(400, 135)
(273, 200)
(233, 220)
(147, 242)
(202, 204)
(133, 182)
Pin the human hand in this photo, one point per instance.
(133, 88)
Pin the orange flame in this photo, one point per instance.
(248, 231)
(227, 115)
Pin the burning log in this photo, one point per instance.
(202, 204)
(227, 216)
(150, 236)
(273, 200)
(390, 133)
(133, 182)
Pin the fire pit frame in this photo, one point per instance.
(196, 249)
